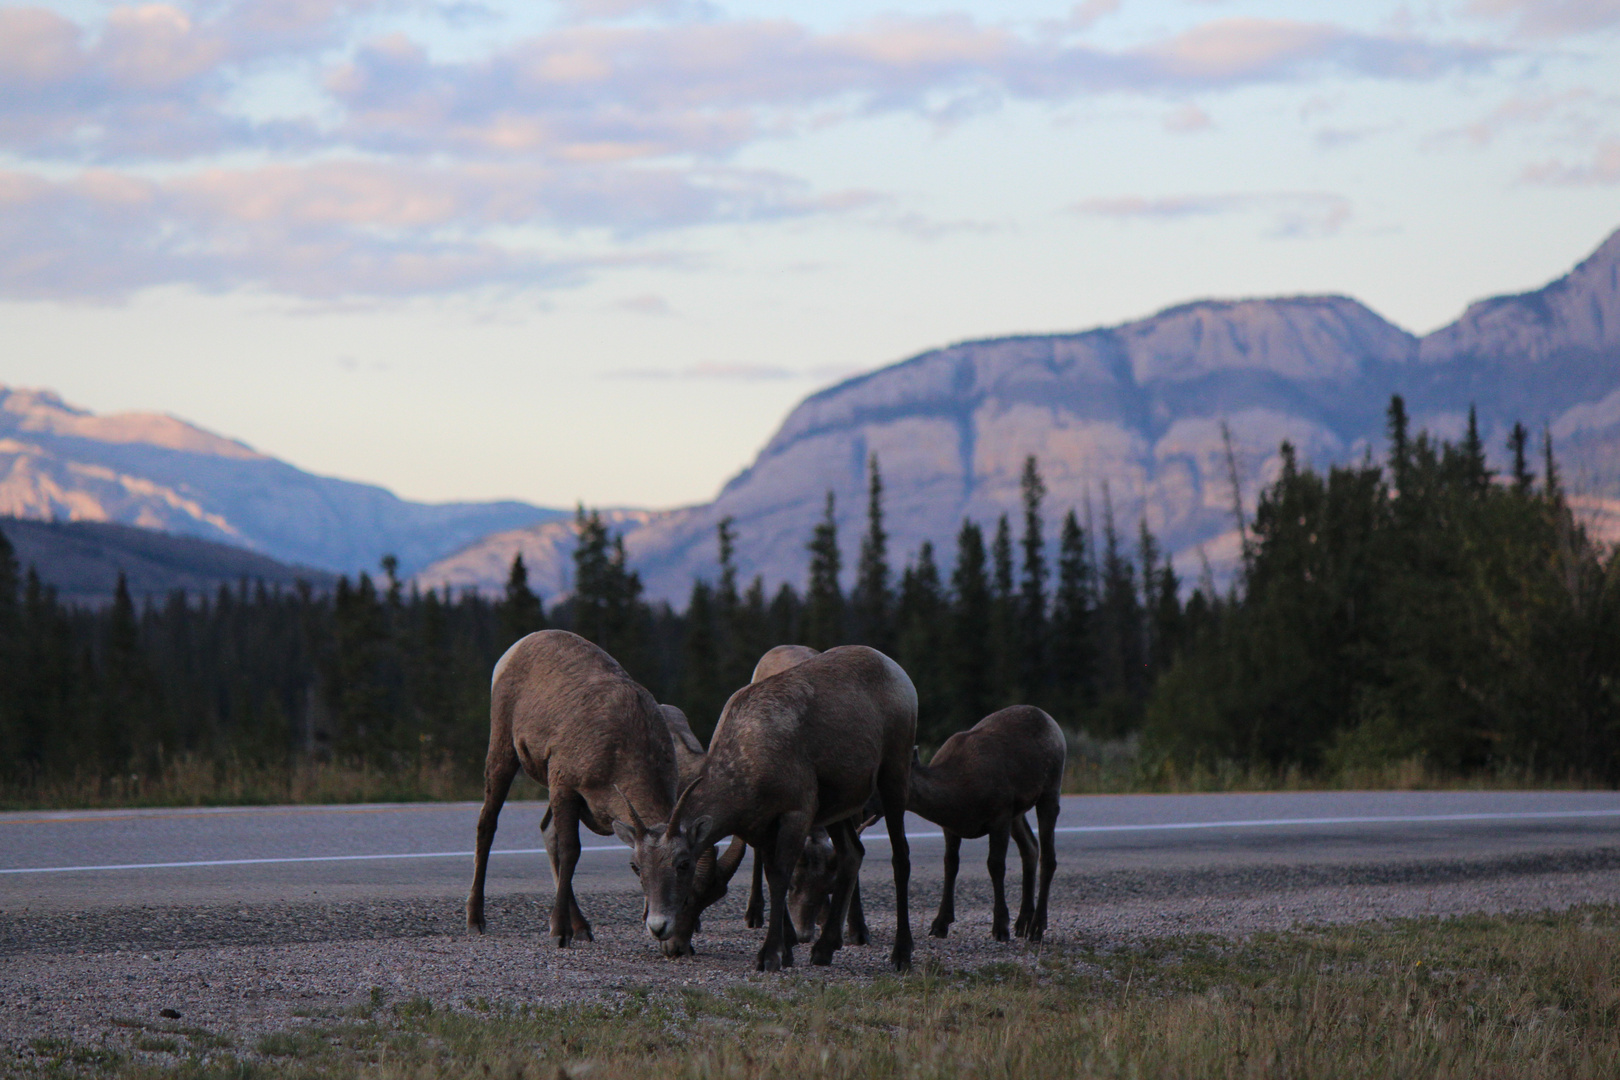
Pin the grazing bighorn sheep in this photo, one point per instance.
(567, 714)
(712, 874)
(983, 780)
(802, 749)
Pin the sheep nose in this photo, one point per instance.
(658, 926)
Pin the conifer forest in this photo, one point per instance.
(1423, 607)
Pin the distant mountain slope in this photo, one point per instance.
(82, 561)
(1130, 416)
(60, 462)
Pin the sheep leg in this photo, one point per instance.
(892, 785)
(857, 934)
(562, 845)
(499, 770)
(576, 917)
(784, 844)
(831, 940)
(997, 865)
(947, 900)
(754, 914)
(1046, 812)
(1028, 855)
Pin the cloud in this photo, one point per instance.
(402, 171)
(1551, 18)
(1604, 168)
(1292, 214)
(1524, 111)
(1188, 118)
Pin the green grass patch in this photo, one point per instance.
(1478, 997)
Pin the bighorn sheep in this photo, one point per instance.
(983, 780)
(567, 714)
(712, 874)
(802, 749)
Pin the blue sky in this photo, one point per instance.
(595, 250)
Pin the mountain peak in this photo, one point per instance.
(1577, 314)
(29, 411)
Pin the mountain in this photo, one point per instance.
(81, 560)
(58, 462)
(1128, 420)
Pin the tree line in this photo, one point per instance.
(1423, 607)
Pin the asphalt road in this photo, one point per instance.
(86, 861)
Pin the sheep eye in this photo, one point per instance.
(636, 868)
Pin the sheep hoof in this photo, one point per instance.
(1000, 933)
(767, 961)
(940, 928)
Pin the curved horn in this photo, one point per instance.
(635, 818)
(730, 859)
(675, 814)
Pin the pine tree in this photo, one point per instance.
(1121, 674)
(1004, 621)
(1518, 444)
(701, 693)
(12, 737)
(1031, 637)
(593, 578)
(732, 633)
(871, 601)
(970, 657)
(824, 600)
(521, 611)
(1073, 656)
(922, 644)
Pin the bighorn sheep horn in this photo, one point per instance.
(635, 818)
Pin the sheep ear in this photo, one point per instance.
(699, 832)
(625, 833)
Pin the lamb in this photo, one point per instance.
(802, 749)
(983, 780)
(567, 714)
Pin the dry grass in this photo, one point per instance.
(197, 782)
(1522, 996)
(1117, 767)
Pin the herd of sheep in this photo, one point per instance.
(815, 747)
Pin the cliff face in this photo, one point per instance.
(1129, 419)
(58, 462)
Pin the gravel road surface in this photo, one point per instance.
(246, 921)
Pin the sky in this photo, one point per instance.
(596, 250)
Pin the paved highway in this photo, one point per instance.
(88, 860)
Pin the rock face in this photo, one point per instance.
(1128, 420)
(58, 462)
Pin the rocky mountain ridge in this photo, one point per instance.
(59, 462)
(1126, 422)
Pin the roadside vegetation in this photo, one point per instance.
(1421, 622)
(1480, 996)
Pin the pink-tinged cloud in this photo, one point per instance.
(1552, 18)
(340, 230)
(37, 47)
(1604, 168)
(1292, 214)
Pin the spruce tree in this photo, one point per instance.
(824, 600)
(871, 601)
(731, 632)
(1005, 646)
(1073, 656)
(1121, 682)
(970, 657)
(520, 611)
(11, 669)
(701, 693)
(1031, 637)
(1518, 444)
(922, 644)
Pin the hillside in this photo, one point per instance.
(1130, 417)
(58, 462)
(82, 561)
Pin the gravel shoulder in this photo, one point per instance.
(239, 972)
